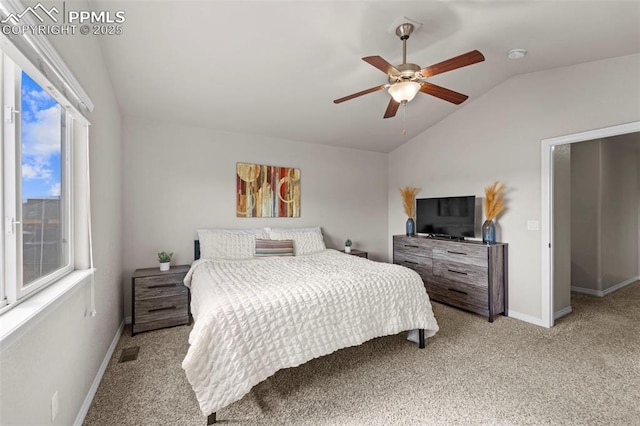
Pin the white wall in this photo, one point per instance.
(64, 350)
(181, 178)
(498, 136)
(619, 210)
(561, 228)
(586, 211)
(604, 198)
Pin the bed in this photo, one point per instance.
(257, 315)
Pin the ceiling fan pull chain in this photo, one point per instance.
(404, 118)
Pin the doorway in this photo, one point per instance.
(547, 217)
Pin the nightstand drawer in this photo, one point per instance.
(165, 308)
(160, 286)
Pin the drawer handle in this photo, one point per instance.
(409, 245)
(408, 261)
(457, 291)
(457, 272)
(166, 308)
(456, 252)
(162, 285)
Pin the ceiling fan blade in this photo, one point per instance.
(392, 108)
(463, 60)
(381, 64)
(442, 93)
(355, 95)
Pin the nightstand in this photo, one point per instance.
(359, 253)
(159, 299)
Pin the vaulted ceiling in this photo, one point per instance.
(274, 68)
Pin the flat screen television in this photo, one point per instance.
(446, 216)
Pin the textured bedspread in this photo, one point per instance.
(254, 317)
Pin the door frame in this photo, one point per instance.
(546, 222)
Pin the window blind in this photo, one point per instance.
(41, 53)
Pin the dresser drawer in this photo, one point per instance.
(160, 286)
(471, 275)
(420, 244)
(164, 308)
(457, 294)
(462, 253)
(419, 257)
(422, 266)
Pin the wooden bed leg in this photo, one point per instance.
(211, 419)
(420, 339)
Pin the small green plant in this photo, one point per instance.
(164, 257)
(348, 243)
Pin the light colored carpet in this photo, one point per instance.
(584, 371)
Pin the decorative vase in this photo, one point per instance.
(489, 232)
(164, 266)
(411, 227)
(347, 249)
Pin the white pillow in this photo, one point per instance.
(305, 240)
(295, 229)
(228, 243)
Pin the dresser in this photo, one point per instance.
(466, 274)
(159, 299)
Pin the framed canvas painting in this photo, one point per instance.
(267, 191)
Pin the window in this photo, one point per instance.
(44, 170)
(36, 195)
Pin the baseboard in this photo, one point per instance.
(620, 285)
(526, 318)
(602, 293)
(562, 312)
(84, 409)
(127, 320)
(589, 291)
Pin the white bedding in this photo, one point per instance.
(254, 317)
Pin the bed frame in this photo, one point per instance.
(211, 419)
(196, 249)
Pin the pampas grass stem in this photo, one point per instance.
(494, 200)
(408, 196)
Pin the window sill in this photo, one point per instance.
(17, 320)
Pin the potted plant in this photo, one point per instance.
(165, 260)
(347, 246)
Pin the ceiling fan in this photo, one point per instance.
(406, 80)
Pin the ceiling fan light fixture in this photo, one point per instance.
(404, 91)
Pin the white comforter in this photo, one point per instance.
(256, 316)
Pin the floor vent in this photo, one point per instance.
(129, 354)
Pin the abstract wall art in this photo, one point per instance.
(267, 191)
